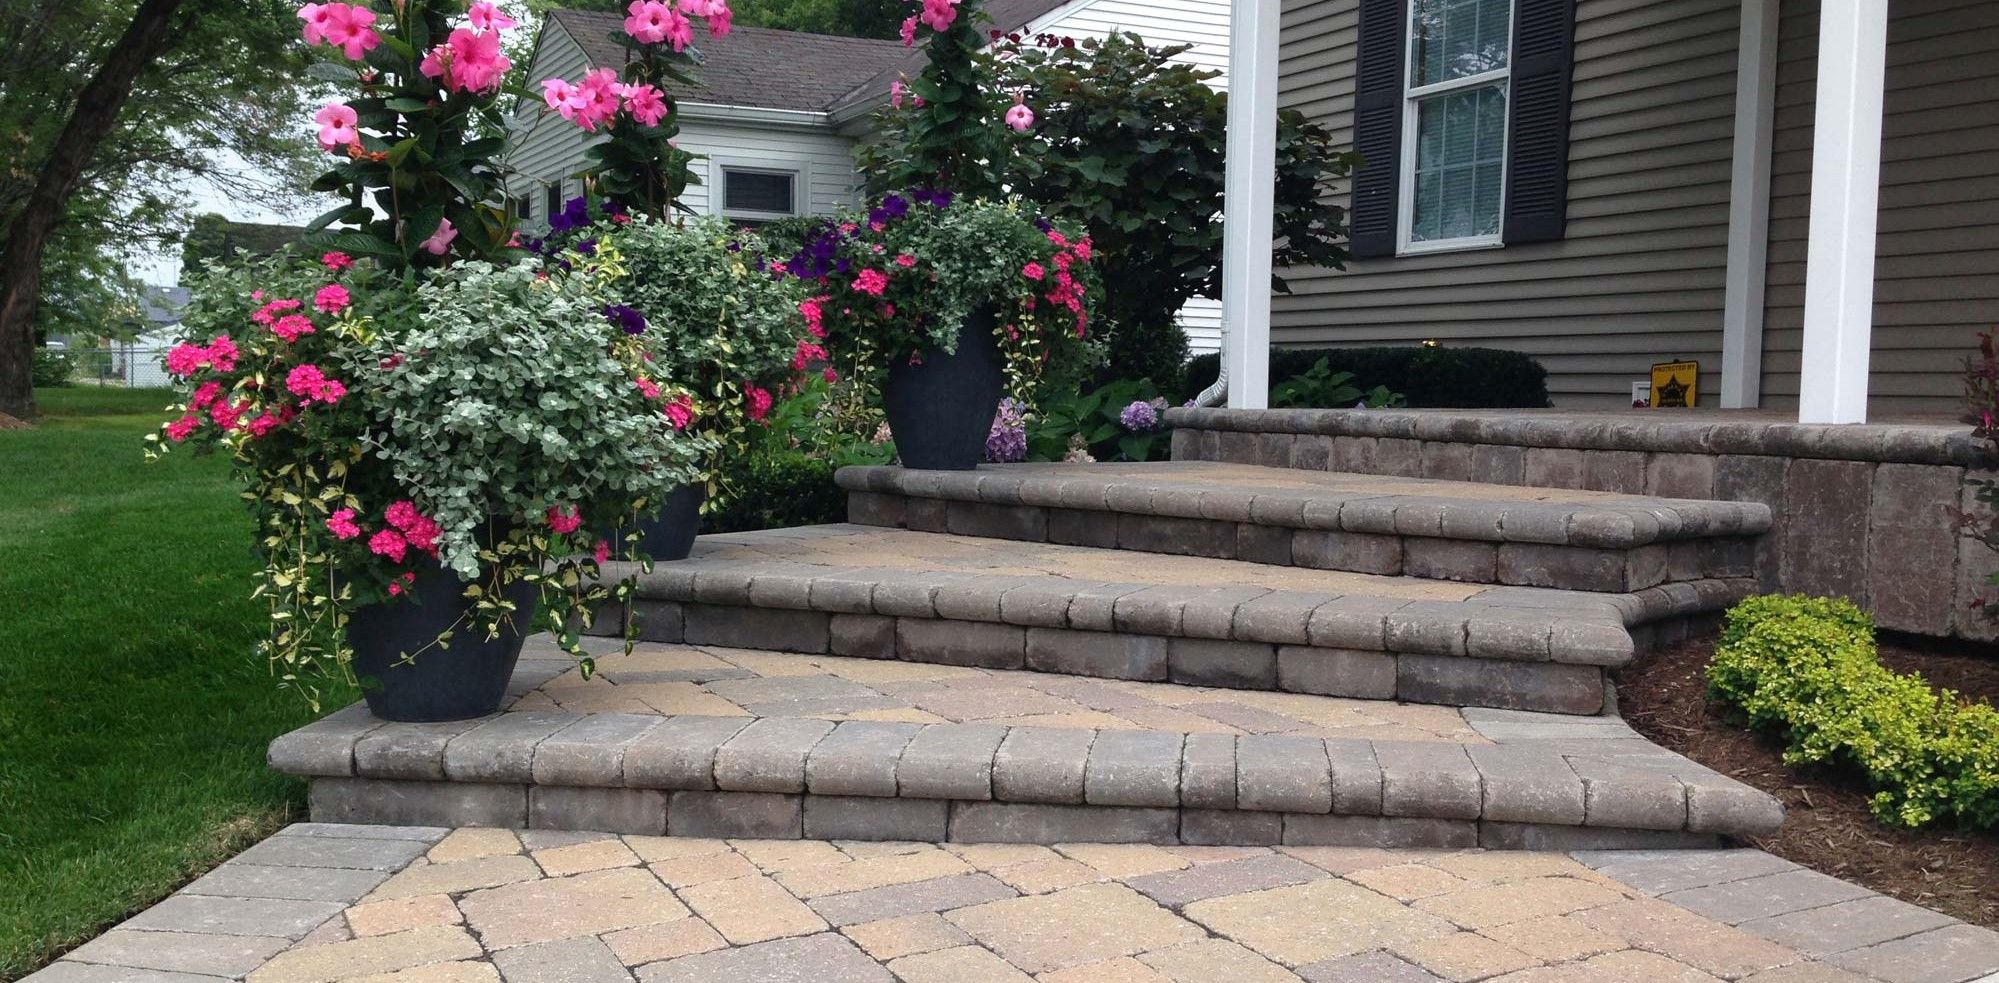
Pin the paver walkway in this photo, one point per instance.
(373, 904)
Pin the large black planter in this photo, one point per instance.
(941, 409)
(670, 534)
(458, 683)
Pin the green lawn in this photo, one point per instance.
(133, 710)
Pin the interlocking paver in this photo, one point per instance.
(1079, 925)
(751, 909)
(474, 842)
(842, 911)
(241, 880)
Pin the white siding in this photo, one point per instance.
(545, 148)
(1201, 23)
(823, 159)
(1201, 319)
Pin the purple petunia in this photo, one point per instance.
(574, 215)
(627, 319)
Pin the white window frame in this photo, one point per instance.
(796, 168)
(1412, 96)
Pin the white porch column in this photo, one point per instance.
(1252, 173)
(1749, 206)
(1846, 188)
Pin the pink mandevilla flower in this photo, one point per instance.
(896, 89)
(1018, 115)
(647, 20)
(349, 27)
(489, 17)
(337, 126)
(468, 61)
(646, 103)
(939, 14)
(909, 32)
(332, 298)
(440, 241)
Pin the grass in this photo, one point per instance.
(133, 710)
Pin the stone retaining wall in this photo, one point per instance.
(1860, 511)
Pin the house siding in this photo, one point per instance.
(1937, 250)
(824, 160)
(544, 147)
(1203, 24)
(1638, 278)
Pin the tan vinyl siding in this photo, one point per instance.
(1937, 251)
(1639, 277)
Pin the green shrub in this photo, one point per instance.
(777, 492)
(51, 369)
(1456, 378)
(1806, 669)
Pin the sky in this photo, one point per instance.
(162, 266)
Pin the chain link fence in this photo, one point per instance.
(133, 366)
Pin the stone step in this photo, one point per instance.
(1445, 530)
(961, 600)
(718, 742)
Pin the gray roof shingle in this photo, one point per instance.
(754, 66)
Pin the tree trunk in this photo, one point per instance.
(148, 36)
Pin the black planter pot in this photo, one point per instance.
(458, 683)
(941, 410)
(670, 534)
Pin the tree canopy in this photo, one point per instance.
(218, 104)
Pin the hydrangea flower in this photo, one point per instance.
(1139, 416)
(1007, 441)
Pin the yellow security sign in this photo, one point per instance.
(1675, 384)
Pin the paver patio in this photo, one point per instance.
(326, 903)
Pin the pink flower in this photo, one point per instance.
(206, 393)
(1082, 249)
(647, 388)
(1055, 236)
(305, 380)
(468, 61)
(589, 105)
(488, 17)
(645, 103)
(895, 93)
(337, 126)
(348, 27)
(423, 534)
(337, 261)
(909, 32)
(564, 521)
(560, 96)
(395, 589)
(648, 21)
(939, 14)
(905, 260)
(332, 298)
(222, 354)
(758, 401)
(291, 326)
(440, 241)
(268, 314)
(402, 514)
(871, 282)
(389, 543)
(185, 359)
(805, 354)
(720, 17)
(332, 391)
(263, 425)
(829, 374)
(1020, 118)
(226, 416)
(680, 412)
(601, 553)
(181, 429)
(341, 523)
(1033, 271)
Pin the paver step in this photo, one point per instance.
(961, 600)
(710, 741)
(1446, 530)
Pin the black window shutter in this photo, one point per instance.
(1378, 128)
(1537, 160)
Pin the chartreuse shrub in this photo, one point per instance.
(1806, 668)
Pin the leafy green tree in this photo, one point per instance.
(1133, 145)
(110, 107)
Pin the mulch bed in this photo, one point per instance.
(1827, 825)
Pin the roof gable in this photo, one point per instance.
(753, 66)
